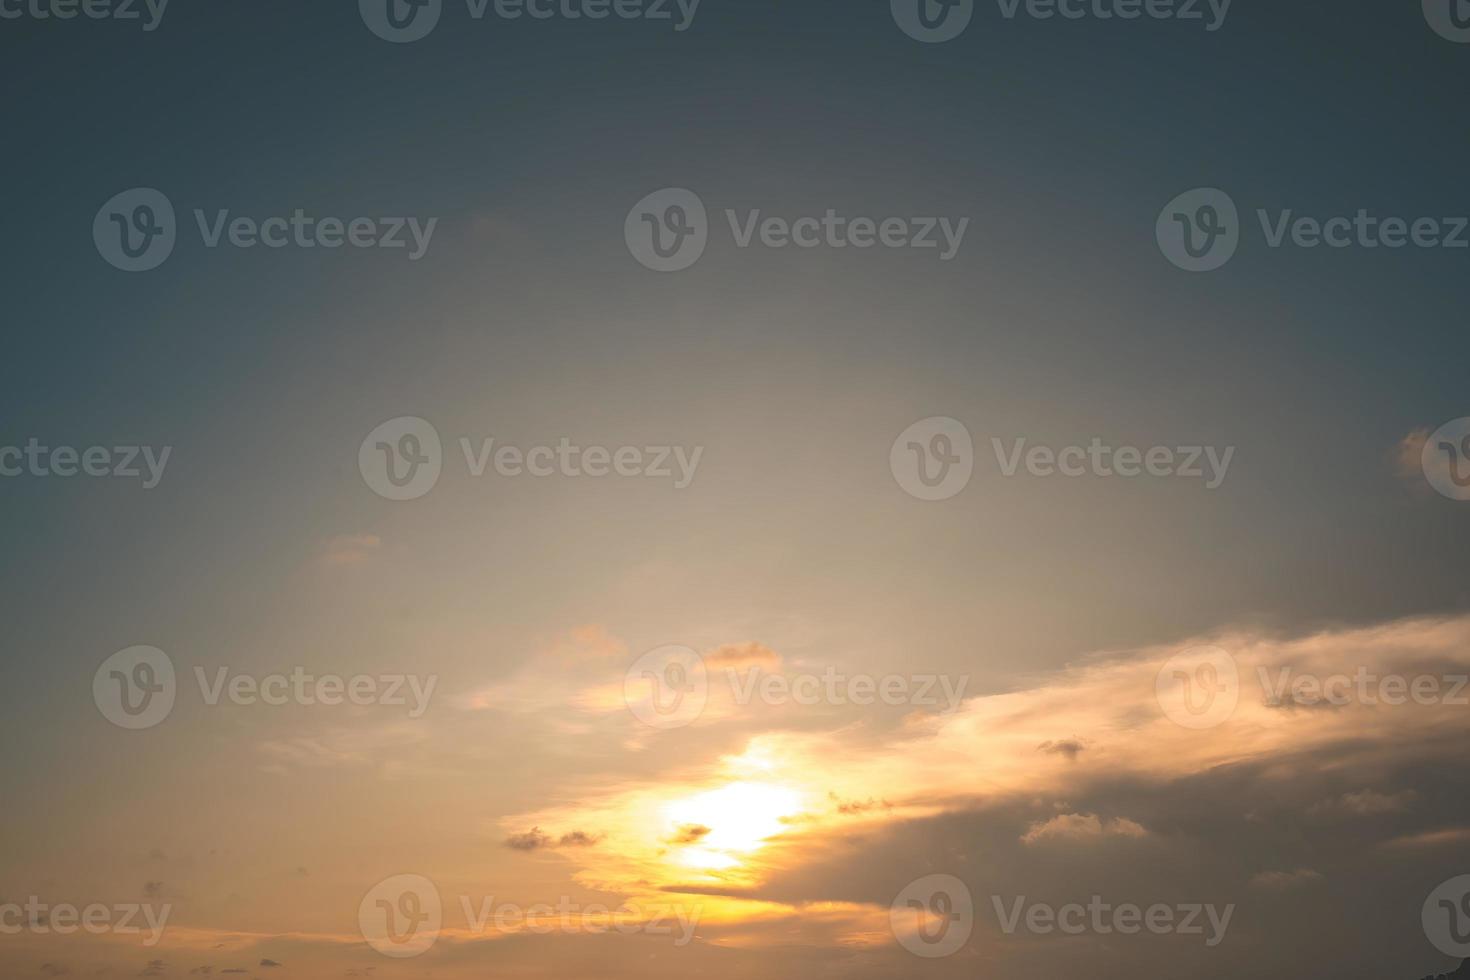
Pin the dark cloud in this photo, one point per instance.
(689, 834)
(858, 806)
(531, 840)
(1069, 747)
(536, 839)
(1255, 835)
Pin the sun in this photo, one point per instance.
(720, 828)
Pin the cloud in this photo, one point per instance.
(1367, 803)
(531, 840)
(535, 839)
(1432, 838)
(858, 806)
(348, 549)
(372, 745)
(1082, 826)
(1409, 456)
(1419, 469)
(743, 655)
(1069, 747)
(570, 662)
(993, 779)
(689, 834)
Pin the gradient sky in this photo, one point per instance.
(528, 321)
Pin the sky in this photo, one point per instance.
(508, 552)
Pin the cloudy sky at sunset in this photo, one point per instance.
(728, 716)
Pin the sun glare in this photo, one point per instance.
(718, 828)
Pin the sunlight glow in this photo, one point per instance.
(716, 829)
